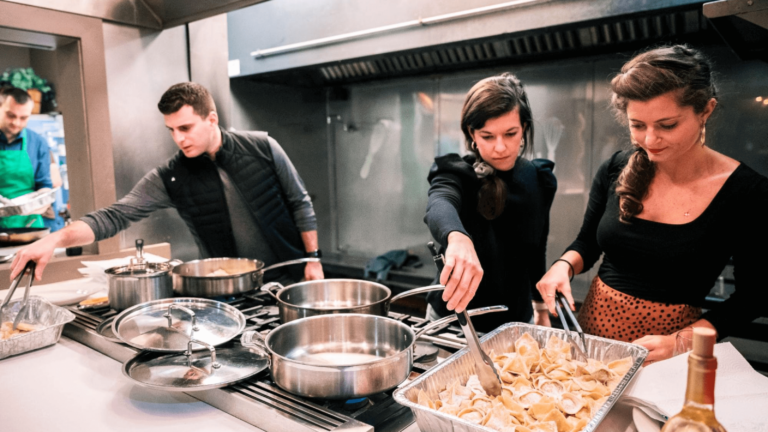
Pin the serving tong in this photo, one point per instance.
(484, 367)
(29, 269)
(582, 353)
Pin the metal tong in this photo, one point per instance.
(30, 268)
(559, 298)
(486, 371)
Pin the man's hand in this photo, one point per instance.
(313, 271)
(40, 251)
(462, 272)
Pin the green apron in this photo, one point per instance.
(18, 178)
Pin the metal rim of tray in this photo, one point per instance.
(642, 353)
(25, 207)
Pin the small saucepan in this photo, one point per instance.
(335, 296)
(342, 356)
(214, 277)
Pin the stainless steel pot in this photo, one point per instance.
(342, 356)
(139, 282)
(197, 278)
(334, 296)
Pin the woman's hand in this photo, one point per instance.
(659, 347)
(313, 271)
(557, 278)
(462, 272)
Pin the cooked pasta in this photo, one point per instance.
(543, 390)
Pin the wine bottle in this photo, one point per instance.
(698, 414)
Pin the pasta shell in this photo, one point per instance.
(526, 344)
(551, 388)
(558, 418)
(424, 400)
(472, 415)
(529, 398)
(549, 426)
(571, 403)
(621, 366)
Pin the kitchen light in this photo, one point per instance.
(759, 99)
(765, 102)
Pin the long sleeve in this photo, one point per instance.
(443, 207)
(586, 242)
(547, 183)
(749, 259)
(148, 195)
(298, 199)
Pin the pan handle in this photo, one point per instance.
(417, 291)
(267, 287)
(291, 262)
(214, 364)
(451, 318)
(254, 339)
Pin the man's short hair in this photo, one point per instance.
(20, 96)
(187, 93)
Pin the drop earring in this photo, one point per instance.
(702, 139)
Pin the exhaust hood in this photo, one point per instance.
(743, 24)
(153, 14)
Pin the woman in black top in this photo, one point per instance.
(667, 216)
(490, 209)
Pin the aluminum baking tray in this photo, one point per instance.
(28, 203)
(49, 317)
(461, 365)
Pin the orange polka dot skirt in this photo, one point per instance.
(614, 315)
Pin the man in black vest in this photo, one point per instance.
(237, 192)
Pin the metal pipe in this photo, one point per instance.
(258, 54)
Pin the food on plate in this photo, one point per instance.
(543, 390)
(219, 272)
(7, 331)
(93, 301)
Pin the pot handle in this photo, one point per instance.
(187, 310)
(417, 291)
(267, 287)
(214, 364)
(451, 318)
(291, 262)
(254, 339)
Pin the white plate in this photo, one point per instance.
(60, 293)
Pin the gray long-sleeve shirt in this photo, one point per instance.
(149, 195)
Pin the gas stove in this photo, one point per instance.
(258, 401)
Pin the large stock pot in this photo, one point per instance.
(335, 296)
(214, 277)
(342, 356)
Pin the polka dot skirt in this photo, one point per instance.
(614, 315)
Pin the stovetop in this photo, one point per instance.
(260, 402)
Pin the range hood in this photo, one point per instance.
(153, 14)
(625, 32)
(743, 24)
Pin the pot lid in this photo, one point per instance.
(167, 325)
(195, 371)
(140, 270)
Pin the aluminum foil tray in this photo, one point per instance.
(25, 204)
(460, 366)
(50, 319)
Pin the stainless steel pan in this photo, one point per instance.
(342, 356)
(334, 296)
(20, 236)
(197, 279)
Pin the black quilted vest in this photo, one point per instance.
(196, 191)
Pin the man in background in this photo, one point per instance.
(24, 156)
(237, 192)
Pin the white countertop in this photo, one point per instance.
(70, 387)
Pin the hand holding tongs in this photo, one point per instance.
(486, 371)
(559, 298)
(29, 269)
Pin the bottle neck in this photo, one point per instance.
(701, 381)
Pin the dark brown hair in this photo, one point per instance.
(488, 99)
(653, 73)
(187, 93)
(20, 96)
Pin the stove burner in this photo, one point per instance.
(355, 404)
(425, 352)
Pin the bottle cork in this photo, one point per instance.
(704, 341)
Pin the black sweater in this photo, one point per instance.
(511, 248)
(677, 264)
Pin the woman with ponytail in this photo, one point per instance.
(666, 215)
(490, 209)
